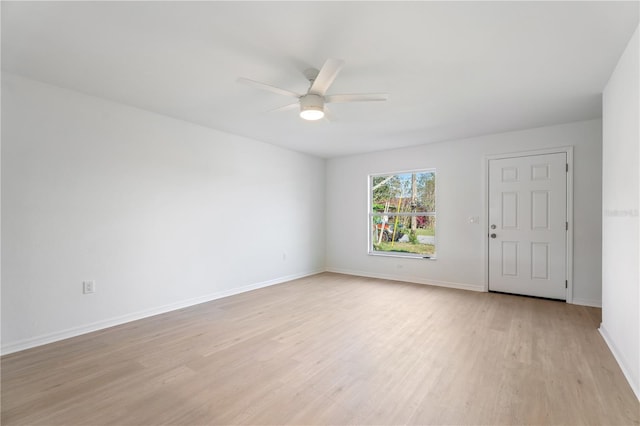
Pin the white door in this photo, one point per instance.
(527, 225)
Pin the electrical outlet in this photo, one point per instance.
(88, 287)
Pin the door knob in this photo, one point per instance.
(493, 235)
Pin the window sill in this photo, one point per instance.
(403, 256)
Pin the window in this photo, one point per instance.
(402, 214)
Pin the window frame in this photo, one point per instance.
(371, 213)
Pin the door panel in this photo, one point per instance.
(528, 214)
(540, 210)
(509, 210)
(510, 258)
(540, 261)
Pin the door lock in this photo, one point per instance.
(493, 227)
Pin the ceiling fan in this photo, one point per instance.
(312, 103)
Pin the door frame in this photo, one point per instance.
(568, 150)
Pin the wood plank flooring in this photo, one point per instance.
(331, 349)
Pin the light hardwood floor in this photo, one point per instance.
(331, 349)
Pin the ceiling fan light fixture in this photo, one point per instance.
(312, 114)
(311, 107)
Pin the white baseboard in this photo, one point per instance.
(587, 302)
(416, 280)
(635, 386)
(32, 342)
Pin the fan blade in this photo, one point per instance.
(325, 77)
(268, 87)
(363, 97)
(328, 116)
(286, 107)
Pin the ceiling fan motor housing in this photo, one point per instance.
(311, 106)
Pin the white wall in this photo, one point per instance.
(159, 212)
(620, 192)
(460, 194)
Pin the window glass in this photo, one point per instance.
(402, 214)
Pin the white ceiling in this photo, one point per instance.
(452, 69)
